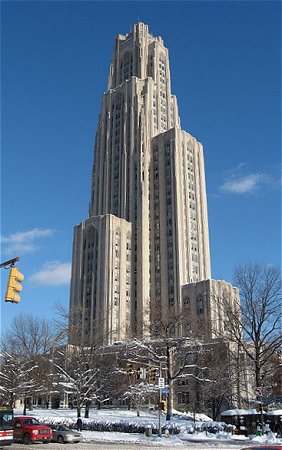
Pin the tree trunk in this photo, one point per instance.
(87, 406)
(30, 406)
(11, 403)
(258, 372)
(238, 376)
(24, 410)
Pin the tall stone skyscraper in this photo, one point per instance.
(147, 231)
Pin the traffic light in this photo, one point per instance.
(163, 405)
(152, 374)
(14, 286)
(129, 370)
(258, 407)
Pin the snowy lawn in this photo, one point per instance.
(129, 418)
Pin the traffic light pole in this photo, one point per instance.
(10, 262)
(169, 382)
(259, 405)
(261, 414)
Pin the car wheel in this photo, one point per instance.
(60, 439)
(26, 439)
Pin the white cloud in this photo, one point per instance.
(244, 184)
(53, 273)
(240, 166)
(24, 241)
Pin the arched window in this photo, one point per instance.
(186, 302)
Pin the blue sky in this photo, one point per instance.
(226, 73)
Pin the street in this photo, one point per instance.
(125, 446)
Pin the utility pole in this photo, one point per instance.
(160, 401)
(169, 382)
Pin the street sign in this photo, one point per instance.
(258, 391)
(161, 382)
(143, 373)
(165, 391)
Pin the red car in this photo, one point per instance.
(27, 430)
(263, 447)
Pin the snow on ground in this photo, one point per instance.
(220, 439)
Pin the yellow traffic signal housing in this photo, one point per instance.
(152, 374)
(258, 407)
(14, 286)
(129, 370)
(163, 405)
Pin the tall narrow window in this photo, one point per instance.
(200, 305)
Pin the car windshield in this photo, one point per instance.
(60, 428)
(6, 421)
(31, 421)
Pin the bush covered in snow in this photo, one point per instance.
(212, 427)
(126, 427)
(118, 426)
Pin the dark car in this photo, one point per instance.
(263, 447)
(63, 434)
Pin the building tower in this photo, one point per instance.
(147, 231)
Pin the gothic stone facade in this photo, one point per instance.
(147, 232)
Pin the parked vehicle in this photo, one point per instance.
(264, 447)
(6, 425)
(27, 430)
(62, 434)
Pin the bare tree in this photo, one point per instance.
(176, 357)
(17, 378)
(83, 365)
(28, 335)
(138, 393)
(215, 387)
(26, 351)
(80, 376)
(257, 330)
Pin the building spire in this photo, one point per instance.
(147, 231)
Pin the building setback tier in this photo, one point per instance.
(147, 231)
